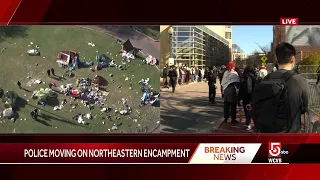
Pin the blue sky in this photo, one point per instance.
(246, 37)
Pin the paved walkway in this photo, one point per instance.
(188, 110)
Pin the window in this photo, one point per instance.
(183, 39)
(228, 26)
(184, 28)
(228, 35)
(185, 34)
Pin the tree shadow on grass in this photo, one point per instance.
(51, 116)
(13, 32)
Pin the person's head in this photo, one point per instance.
(230, 66)
(249, 69)
(285, 53)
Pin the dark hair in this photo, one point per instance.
(248, 69)
(284, 53)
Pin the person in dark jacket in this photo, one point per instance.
(205, 75)
(212, 79)
(34, 114)
(52, 72)
(200, 75)
(173, 77)
(220, 75)
(245, 94)
(165, 76)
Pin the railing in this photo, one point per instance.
(309, 71)
(311, 123)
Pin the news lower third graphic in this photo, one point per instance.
(159, 153)
(224, 153)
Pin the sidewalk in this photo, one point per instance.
(235, 128)
(188, 110)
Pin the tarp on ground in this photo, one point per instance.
(127, 46)
(10, 97)
(44, 93)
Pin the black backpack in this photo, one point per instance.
(271, 110)
(246, 86)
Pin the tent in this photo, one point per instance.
(102, 60)
(66, 58)
(129, 48)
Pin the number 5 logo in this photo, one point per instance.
(274, 149)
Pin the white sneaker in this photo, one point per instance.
(248, 128)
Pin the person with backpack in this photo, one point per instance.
(230, 84)
(279, 100)
(212, 79)
(247, 83)
(173, 77)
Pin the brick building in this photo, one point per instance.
(306, 39)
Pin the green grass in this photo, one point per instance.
(151, 31)
(16, 65)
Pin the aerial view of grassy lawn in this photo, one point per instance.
(17, 65)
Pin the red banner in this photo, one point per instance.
(96, 153)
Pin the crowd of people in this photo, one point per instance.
(272, 99)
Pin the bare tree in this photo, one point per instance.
(264, 49)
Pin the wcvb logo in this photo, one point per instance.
(274, 149)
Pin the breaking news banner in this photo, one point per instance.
(159, 153)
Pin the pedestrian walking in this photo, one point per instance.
(230, 84)
(19, 84)
(280, 99)
(247, 84)
(173, 77)
(212, 79)
(52, 72)
(48, 72)
(34, 114)
(220, 75)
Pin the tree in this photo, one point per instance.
(240, 62)
(266, 49)
(310, 65)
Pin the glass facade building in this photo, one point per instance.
(198, 46)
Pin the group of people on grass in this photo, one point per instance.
(273, 100)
